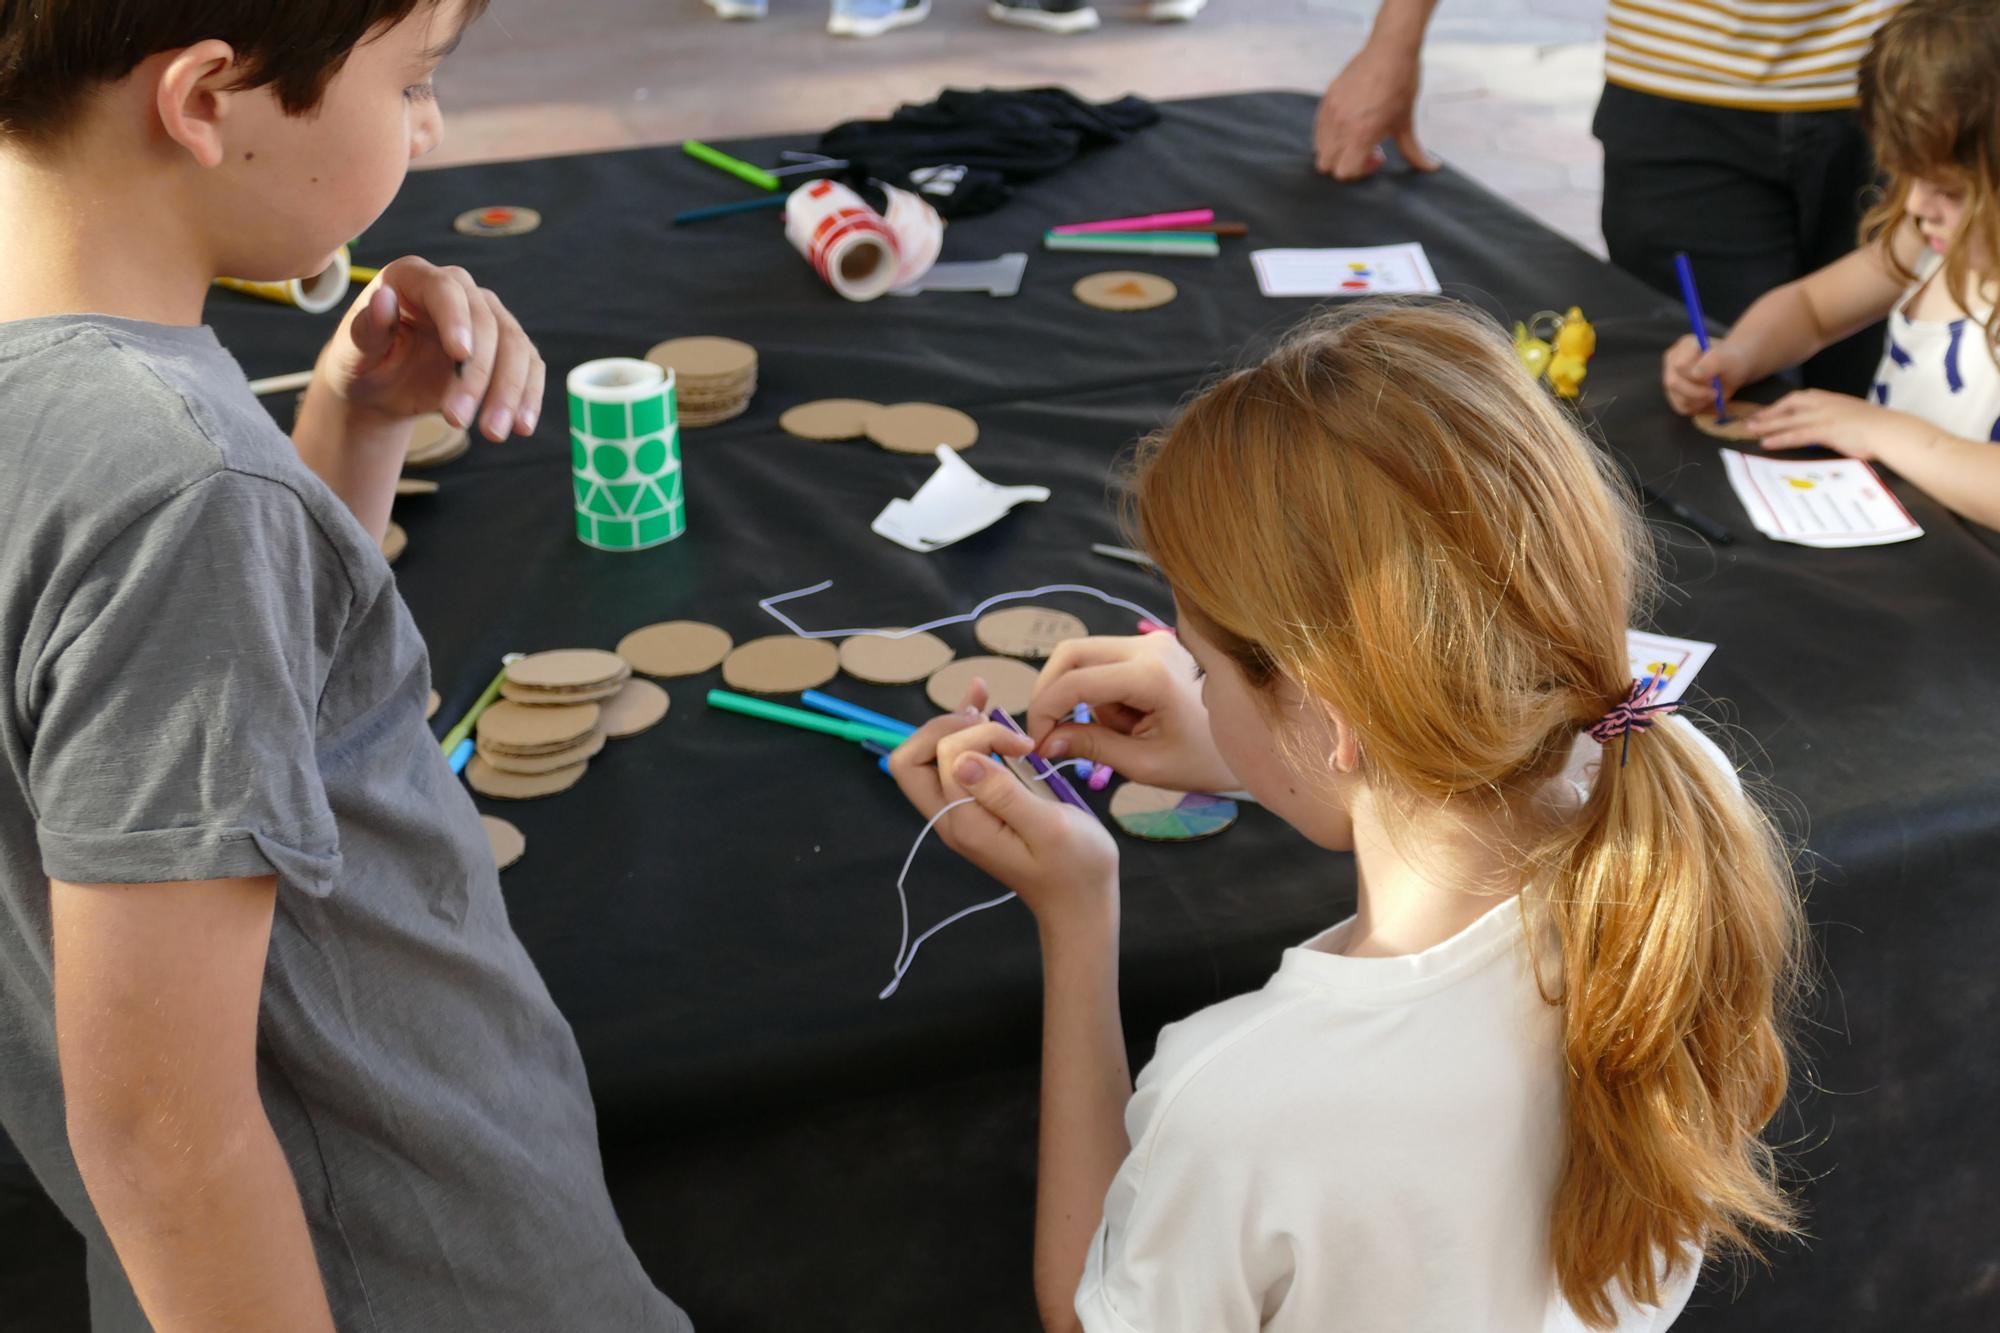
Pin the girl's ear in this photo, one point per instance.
(1346, 744)
(193, 98)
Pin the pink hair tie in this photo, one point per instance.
(1632, 714)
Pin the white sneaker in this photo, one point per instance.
(1065, 17)
(738, 9)
(872, 18)
(1174, 11)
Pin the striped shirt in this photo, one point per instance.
(1762, 55)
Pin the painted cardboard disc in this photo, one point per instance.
(521, 694)
(529, 727)
(828, 419)
(406, 486)
(1732, 429)
(1124, 290)
(1158, 815)
(490, 781)
(638, 705)
(781, 664)
(507, 842)
(882, 660)
(587, 748)
(675, 648)
(694, 360)
(431, 705)
(1010, 685)
(919, 428)
(497, 220)
(1027, 631)
(568, 669)
(395, 541)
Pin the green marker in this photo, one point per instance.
(464, 727)
(736, 167)
(798, 717)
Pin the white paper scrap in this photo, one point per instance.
(1832, 502)
(1380, 270)
(955, 503)
(1673, 660)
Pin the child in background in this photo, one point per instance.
(266, 1035)
(1929, 260)
(1523, 1086)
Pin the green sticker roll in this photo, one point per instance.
(625, 455)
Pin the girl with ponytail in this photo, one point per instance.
(1523, 1086)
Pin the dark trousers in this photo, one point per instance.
(1756, 198)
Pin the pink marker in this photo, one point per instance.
(1150, 222)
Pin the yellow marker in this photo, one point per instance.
(362, 273)
(315, 295)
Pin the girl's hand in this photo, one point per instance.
(422, 339)
(1687, 373)
(1061, 861)
(1150, 723)
(1846, 425)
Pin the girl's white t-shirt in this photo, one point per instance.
(1366, 1145)
(1940, 369)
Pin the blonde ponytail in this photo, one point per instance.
(1391, 514)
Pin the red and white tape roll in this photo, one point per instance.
(847, 242)
(919, 233)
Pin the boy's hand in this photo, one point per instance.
(1845, 425)
(1688, 374)
(1061, 861)
(422, 339)
(1151, 724)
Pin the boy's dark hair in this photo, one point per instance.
(53, 52)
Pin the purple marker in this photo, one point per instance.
(1057, 782)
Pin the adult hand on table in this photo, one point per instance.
(1061, 861)
(1372, 99)
(1145, 698)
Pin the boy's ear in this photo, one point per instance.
(193, 98)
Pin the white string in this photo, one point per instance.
(903, 960)
(770, 606)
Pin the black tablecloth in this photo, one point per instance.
(713, 906)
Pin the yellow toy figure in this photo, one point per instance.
(1567, 360)
(1534, 352)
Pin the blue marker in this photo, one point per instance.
(462, 755)
(1693, 299)
(826, 703)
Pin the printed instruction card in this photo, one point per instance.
(1380, 270)
(1833, 502)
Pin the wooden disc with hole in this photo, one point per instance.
(1732, 429)
(506, 841)
(395, 541)
(431, 705)
(1027, 631)
(828, 419)
(1159, 815)
(568, 669)
(490, 781)
(781, 664)
(919, 428)
(527, 728)
(1010, 684)
(497, 220)
(675, 648)
(1124, 290)
(415, 486)
(638, 705)
(882, 660)
(587, 748)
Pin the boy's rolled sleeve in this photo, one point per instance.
(176, 698)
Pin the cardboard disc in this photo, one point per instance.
(497, 220)
(568, 669)
(530, 727)
(434, 442)
(638, 705)
(415, 486)
(507, 842)
(1027, 631)
(919, 428)
(1010, 685)
(1124, 290)
(1732, 429)
(696, 420)
(700, 359)
(675, 648)
(881, 660)
(828, 419)
(431, 705)
(521, 694)
(587, 748)
(490, 781)
(781, 664)
(1158, 815)
(395, 541)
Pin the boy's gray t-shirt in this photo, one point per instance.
(210, 674)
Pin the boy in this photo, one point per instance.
(266, 1036)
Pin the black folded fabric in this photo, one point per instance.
(966, 150)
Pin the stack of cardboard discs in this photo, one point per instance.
(714, 378)
(566, 676)
(555, 712)
(435, 442)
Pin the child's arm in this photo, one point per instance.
(418, 339)
(157, 989)
(1065, 867)
(1963, 475)
(1790, 323)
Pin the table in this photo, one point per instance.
(713, 905)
